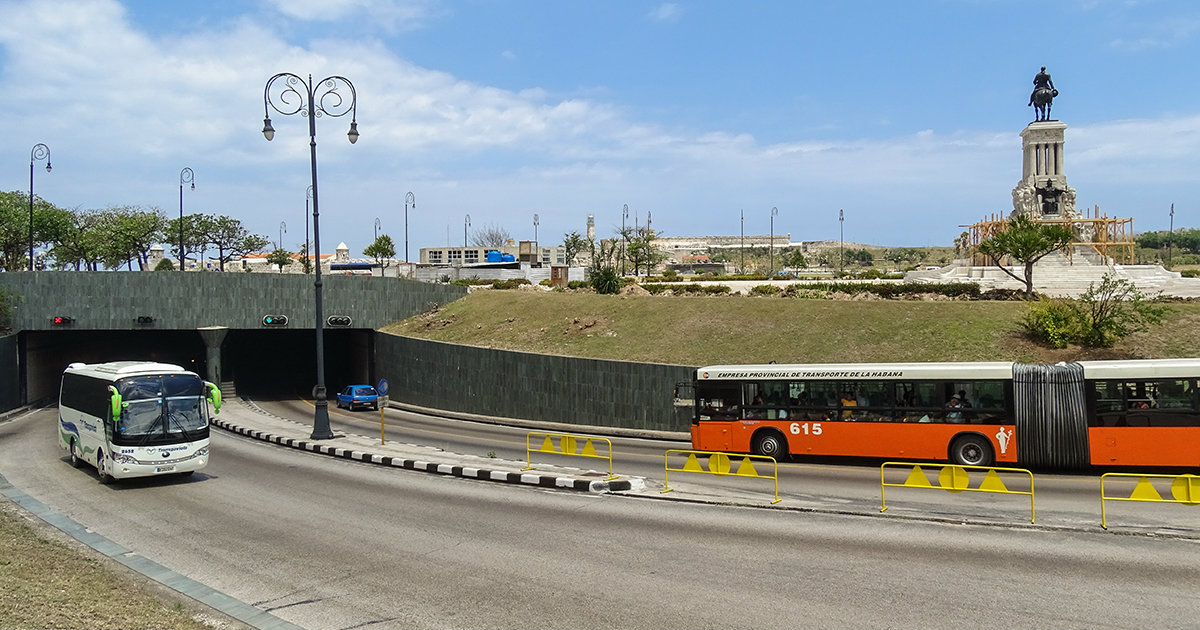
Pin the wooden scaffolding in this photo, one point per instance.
(1110, 237)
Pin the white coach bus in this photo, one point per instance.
(135, 419)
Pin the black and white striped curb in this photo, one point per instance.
(469, 472)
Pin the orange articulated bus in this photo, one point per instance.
(1065, 416)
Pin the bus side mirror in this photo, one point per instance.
(114, 399)
(214, 396)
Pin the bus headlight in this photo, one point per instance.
(202, 452)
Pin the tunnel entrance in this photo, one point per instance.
(262, 363)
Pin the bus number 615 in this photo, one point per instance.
(803, 427)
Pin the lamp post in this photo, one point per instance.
(1170, 237)
(295, 96)
(771, 250)
(466, 224)
(743, 247)
(186, 176)
(39, 152)
(841, 239)
(537, 254)
(624, 237)
(307, 198)
(409, 200)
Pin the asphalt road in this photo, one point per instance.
(331, 543)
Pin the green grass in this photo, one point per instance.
(48, 584)
(741, 329)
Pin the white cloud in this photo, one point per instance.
(666, 12)
(391, 15)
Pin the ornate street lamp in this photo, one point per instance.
(409, 200)
(295, 96)
(39, 152)
(186, 176)
(841, 240)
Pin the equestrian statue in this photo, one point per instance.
(1043, 95)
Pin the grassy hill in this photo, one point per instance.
(742, 329)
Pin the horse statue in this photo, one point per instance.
(1043, 94)
(1043, 98)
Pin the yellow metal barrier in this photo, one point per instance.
(568, 445)
(1185, 489)
(954, 478)
(719, 464)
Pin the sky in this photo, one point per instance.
(701, 115)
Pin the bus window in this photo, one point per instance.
(718, 400)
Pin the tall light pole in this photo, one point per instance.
(841, 240)
(624, 238)
(771, 251)
(537, 254)
(295, 96)
(743, 247)
(1170, 237)
(466, 224)
(186, 176)
(307, 198)
(409, 200)
(39, 152)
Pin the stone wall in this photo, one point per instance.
(531, 386)
(106, 300)
(10, 373)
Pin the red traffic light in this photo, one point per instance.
(62, 320)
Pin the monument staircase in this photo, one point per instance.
(1057, 273)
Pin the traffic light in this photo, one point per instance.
(145, 320)
(338, 321)
(275, 321)
(61, 320)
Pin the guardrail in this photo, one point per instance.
(954, 478)
(569, 445)
(1185, 489)
(719, 464)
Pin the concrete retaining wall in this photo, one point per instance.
(531, 386)
(10, 373)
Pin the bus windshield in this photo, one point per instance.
(161, 409)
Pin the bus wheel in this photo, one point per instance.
(771, 444)
(105, 478)
(971, 450)
(74, 456)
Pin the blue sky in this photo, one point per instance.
(905, 115)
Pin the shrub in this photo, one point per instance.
(1113, 310)
(606, 281)
(670, 274)
(1051, 321)
(164, 265)
(765, 289)
(511, 283)
(579, 284)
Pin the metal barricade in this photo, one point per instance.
(719, 464)
(568, 445)
(954, 478)
(1184, 488)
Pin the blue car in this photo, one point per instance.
(358, 397)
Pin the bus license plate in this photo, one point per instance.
(164, 469)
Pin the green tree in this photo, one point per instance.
(128, 234)
(640, 250)
(794, 258)
(1025, 242)
(82, 243)
(14, 227)
(280, 258)
(305, 258)
(165, 265)
(382, 250)
(231, 239)
(573, 245)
